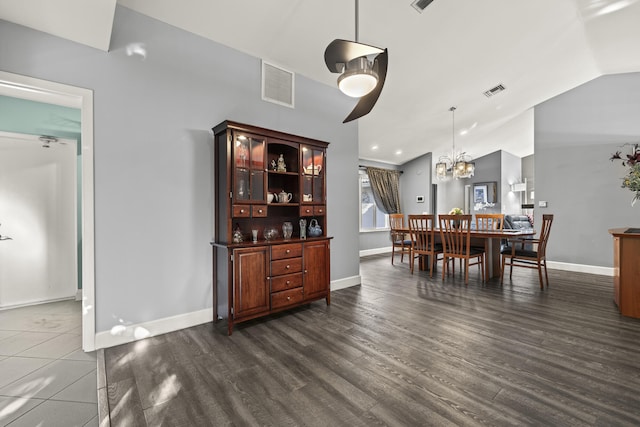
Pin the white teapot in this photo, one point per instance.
(284, 197)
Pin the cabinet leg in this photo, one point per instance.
(328, 299)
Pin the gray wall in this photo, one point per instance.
(153, 169)
(575, 134)
(416, 181)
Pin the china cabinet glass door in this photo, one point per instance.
(248, 162)
(312, 174)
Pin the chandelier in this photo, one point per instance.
(458, 164)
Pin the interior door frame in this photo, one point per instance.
(19, 86)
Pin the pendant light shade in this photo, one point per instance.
(358, 79)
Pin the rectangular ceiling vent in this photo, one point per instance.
(421, 5)
(494, 91)
(278, 85)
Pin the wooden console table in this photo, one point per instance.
(626, 270)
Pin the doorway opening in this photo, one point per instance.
(18, 86)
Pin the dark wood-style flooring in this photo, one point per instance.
(399, 350)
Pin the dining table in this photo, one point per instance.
(490, 240)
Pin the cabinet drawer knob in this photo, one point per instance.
(305, 272)
(241, 210)
(308, 210)
(288, 250)
(288, 266)
(288, 298)
(288, 282)
(259, 210)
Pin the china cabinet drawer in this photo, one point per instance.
(286, 266)
(306, 210)
(286, 298)
(259, 211)
(289, 281)
(286, 251)
(241, 211)
(319, 210)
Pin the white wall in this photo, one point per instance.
(38, 211)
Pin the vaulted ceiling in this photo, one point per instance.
(448, 55)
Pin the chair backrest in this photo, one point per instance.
(455, 232)
(547, 219)
(422, 229)
(489, 221)
(396, 220)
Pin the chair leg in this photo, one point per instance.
(411, 260)
(402, 253)
(545, 272)
(511, 268)
(431, 260)
(393, 252)
(445, 266)
(466, 271)
(540, 275)
(502, 270)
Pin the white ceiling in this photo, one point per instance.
(446, 56)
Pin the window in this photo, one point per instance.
(371, 217)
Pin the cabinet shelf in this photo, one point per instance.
(282, 173)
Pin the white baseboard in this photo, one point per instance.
(347, 282)
(566, 266)
(367, 252)
(581, 268)
(122, 334)
(79, 295)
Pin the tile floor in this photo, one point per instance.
(45, 377)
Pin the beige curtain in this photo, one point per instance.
(385, 185)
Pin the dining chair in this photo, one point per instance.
(455, 233)
(489, 221)
(520, 255)
(398, 236)
(423, 240)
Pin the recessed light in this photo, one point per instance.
(374, 147)
(398, 152)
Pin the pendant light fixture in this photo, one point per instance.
(458, 164)
(362, 68)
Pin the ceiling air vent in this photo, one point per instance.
(421, 5)
(277, 85)
(494, 91)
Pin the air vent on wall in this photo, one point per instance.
(494, 91)
(421, 5)
(278, 85)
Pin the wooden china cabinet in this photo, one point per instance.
(255, 171)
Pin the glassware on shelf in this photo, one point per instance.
(303, 228)
(287, 230)
(270, 233)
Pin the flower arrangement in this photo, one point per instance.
(632, 179)
(456, 211)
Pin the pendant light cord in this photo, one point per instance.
(453, 131)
